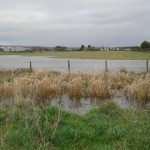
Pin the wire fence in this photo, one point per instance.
(72, 65)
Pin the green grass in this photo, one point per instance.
(44, 128)
(112, 55)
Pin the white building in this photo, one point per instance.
(14, 48)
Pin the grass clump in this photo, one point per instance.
(107, 127)
(139, 90)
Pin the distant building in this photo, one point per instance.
(5, 48)
(15, 48)
(127, 49)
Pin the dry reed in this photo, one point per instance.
(45, 85)
(6, 90)
(138, 90)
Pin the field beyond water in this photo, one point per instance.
(29, 123)
(110, 55)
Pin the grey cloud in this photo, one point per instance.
(54, 22)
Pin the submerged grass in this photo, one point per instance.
(44, 128)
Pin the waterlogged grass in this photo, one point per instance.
(110, 55)
(44, 128)
(39, 86)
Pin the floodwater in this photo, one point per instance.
(82, 106)
(56, 64)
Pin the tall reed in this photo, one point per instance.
(47, 85)
(138, 90)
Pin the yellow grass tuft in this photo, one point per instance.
(6, 90)
(138, 90)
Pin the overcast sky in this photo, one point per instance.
(74, 22)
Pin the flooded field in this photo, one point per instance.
(56, 64)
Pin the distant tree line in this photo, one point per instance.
(40, 49)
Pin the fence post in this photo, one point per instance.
(106, 69)
(146, 65)
(30, 66)
(68, 65)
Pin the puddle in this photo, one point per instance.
(82, 106)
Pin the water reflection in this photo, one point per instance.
(80, 106)
(57, 64)
(83, 105)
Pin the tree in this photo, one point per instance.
(1, 49)
(145, 45)
(89, 46)
(60, 48)
(82, 47)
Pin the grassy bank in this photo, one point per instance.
(45, 128)
(110, 55)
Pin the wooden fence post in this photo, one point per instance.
(106, 69)
(68, 65)
(30, 66)
(146, 65)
